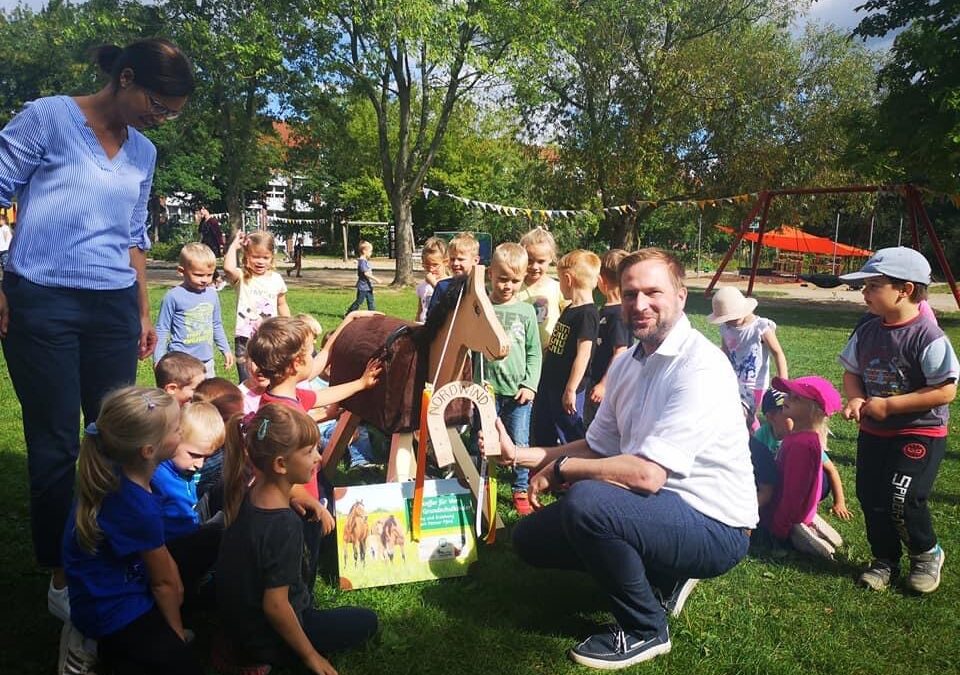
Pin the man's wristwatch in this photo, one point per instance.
(558, 469)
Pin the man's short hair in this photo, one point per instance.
(464, 243)
(609, 264)
(277, 343)
(677, 272)
(177, 368)
(512, 256)
(583, 266)
(197, 254)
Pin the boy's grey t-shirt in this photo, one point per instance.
(363, 269)
(894, 360)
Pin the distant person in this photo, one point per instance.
(365, 279)
(297, 257)
(900, 378)
(6, 236)
(74, 310)
(210, 232)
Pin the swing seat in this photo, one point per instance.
(393, 404)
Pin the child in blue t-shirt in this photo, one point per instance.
(190, 319)
(125, 587)
(365, 279)
(202, 432)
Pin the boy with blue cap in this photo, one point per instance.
(900, 377)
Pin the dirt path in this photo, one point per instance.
(330, 273)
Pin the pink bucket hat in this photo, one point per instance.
(813, 387)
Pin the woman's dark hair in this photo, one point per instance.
(157, 65)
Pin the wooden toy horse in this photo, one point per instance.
(355, 533)
(436, 352)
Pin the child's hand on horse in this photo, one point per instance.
(371, 374)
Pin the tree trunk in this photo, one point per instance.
(623, 232)
(234, 202)
(403, 220)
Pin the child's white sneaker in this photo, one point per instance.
(826, 531)
(77, 654)
(925, 570)
(807, 540)
(58, 602)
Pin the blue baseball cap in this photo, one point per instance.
(898, 262)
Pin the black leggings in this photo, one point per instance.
(147, 646)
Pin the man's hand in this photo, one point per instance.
(524, 396)
(508, 451)
(852, 411)
(569, 401)
(148, 337)
(228, 360)
(597, 393)
(544, 481)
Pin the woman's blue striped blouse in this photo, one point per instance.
(79, 213)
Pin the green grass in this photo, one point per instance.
(774, 613)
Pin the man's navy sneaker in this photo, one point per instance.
(618, 648)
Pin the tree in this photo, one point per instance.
(413, 61)
(241, 50)
(916, 130)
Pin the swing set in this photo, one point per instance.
(916, 216)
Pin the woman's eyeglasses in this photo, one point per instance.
(160, 110)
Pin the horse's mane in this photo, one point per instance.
(438, 315)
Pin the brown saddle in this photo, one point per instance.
(393, 405)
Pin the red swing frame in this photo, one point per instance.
(915, 211)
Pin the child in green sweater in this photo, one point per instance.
(514, 379)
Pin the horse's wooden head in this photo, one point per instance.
(476, 326)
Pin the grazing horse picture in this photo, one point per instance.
(391, 537)
(355, 533)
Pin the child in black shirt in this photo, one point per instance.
(558, 407)
(613, 334)
(265, 606)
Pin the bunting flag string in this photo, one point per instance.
(544, 215)
(295, 221)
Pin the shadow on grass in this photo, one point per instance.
(764, 548)
(29, 633)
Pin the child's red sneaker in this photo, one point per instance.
(522, 504)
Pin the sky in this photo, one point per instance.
(839, 12)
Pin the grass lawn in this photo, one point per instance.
(774, 613)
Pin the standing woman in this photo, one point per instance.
(74, 312)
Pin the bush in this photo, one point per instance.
(165, 250)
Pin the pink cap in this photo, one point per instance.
(813, 387)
